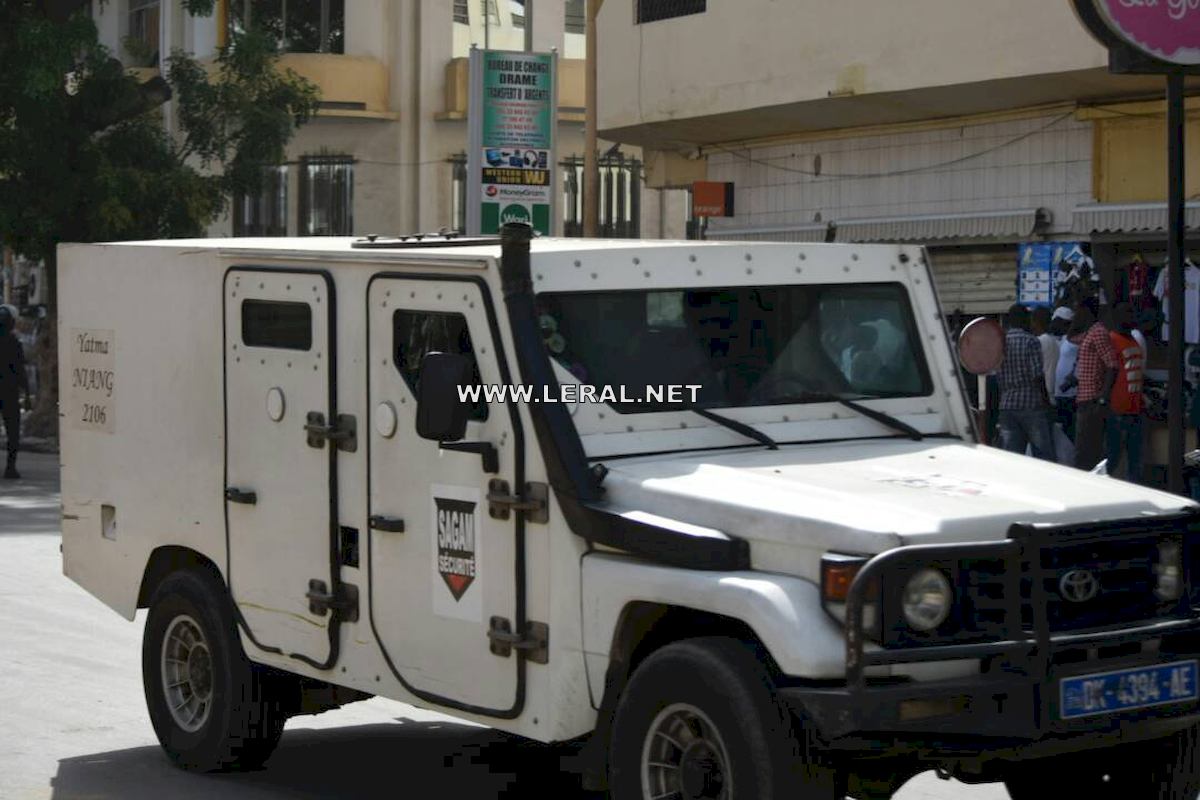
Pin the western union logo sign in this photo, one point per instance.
(514, 175)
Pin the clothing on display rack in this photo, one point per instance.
(1077, 279)
(1133, 284)
(1191, 301)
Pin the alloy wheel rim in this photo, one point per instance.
(684, 757)
(187, 673)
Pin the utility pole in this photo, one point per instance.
(1176, 251)
(528, 26)
(591, 167)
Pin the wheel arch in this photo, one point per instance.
(168, 559)
(631, 609)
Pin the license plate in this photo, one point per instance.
(1121, 690)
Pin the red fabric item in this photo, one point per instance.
(1138, 274)
(1127, 388)
(1096, 354)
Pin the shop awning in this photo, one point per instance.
(1015, 224)
(1127, 217)
(808, 232)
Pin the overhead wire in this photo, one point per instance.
(899, 172)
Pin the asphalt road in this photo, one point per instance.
(73, 724)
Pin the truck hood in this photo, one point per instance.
(871, 496)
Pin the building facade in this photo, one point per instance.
(386, 152)
(972, 128)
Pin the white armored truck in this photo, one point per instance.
(802, 577)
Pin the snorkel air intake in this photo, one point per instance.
(566, 462)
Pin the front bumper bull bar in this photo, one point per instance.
(1013, 704)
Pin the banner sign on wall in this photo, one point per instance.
(511, 157)
(1035, 274)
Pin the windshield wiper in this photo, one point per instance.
(736, 427)
(881, 417)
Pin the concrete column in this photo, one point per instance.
(549, 20)
(109, 24)
(367, 31)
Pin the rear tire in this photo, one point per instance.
(699, 720)
(1161, 769)
(210, 707)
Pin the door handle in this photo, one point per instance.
(241, 496)
(389, 524)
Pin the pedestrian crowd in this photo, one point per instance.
(1071, 386)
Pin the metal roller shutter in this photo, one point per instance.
(975, 280)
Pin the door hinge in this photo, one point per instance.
(345, 432)
(535, 503)
(320, 601)
(535, 642)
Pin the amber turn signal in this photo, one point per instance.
(837, 573)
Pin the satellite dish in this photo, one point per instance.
(981, 346)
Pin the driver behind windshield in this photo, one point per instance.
(730, 327)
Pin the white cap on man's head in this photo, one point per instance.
(1062, 312)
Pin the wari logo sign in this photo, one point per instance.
(510, 167)
(1166, 30)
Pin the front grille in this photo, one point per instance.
(1123, 567)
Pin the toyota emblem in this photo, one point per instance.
(1078, 586)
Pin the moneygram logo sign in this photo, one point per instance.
(1168, 30)
(515, 213)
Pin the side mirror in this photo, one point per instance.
(981, 346)
(441, 415)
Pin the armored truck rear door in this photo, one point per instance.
(280, 479)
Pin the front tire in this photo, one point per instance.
(1161, 769)
(699, 720)
(210, 707)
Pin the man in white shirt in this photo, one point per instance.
(1064, 375)
(1040, 327)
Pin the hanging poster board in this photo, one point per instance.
(511, 160)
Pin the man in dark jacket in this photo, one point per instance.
(13, 379)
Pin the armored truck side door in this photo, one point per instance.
(280, 476)
(442, 568)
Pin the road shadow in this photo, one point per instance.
(415, 760)
(31, 504)
(26, 507)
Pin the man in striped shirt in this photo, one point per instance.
(1096, 371)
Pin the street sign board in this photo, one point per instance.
(511, 154)
(712, 199)
(1167, 31)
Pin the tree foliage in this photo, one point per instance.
(85, 155)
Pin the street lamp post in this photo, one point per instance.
(591, 165)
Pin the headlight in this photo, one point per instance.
(927, 600)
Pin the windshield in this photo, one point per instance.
(743, 345)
